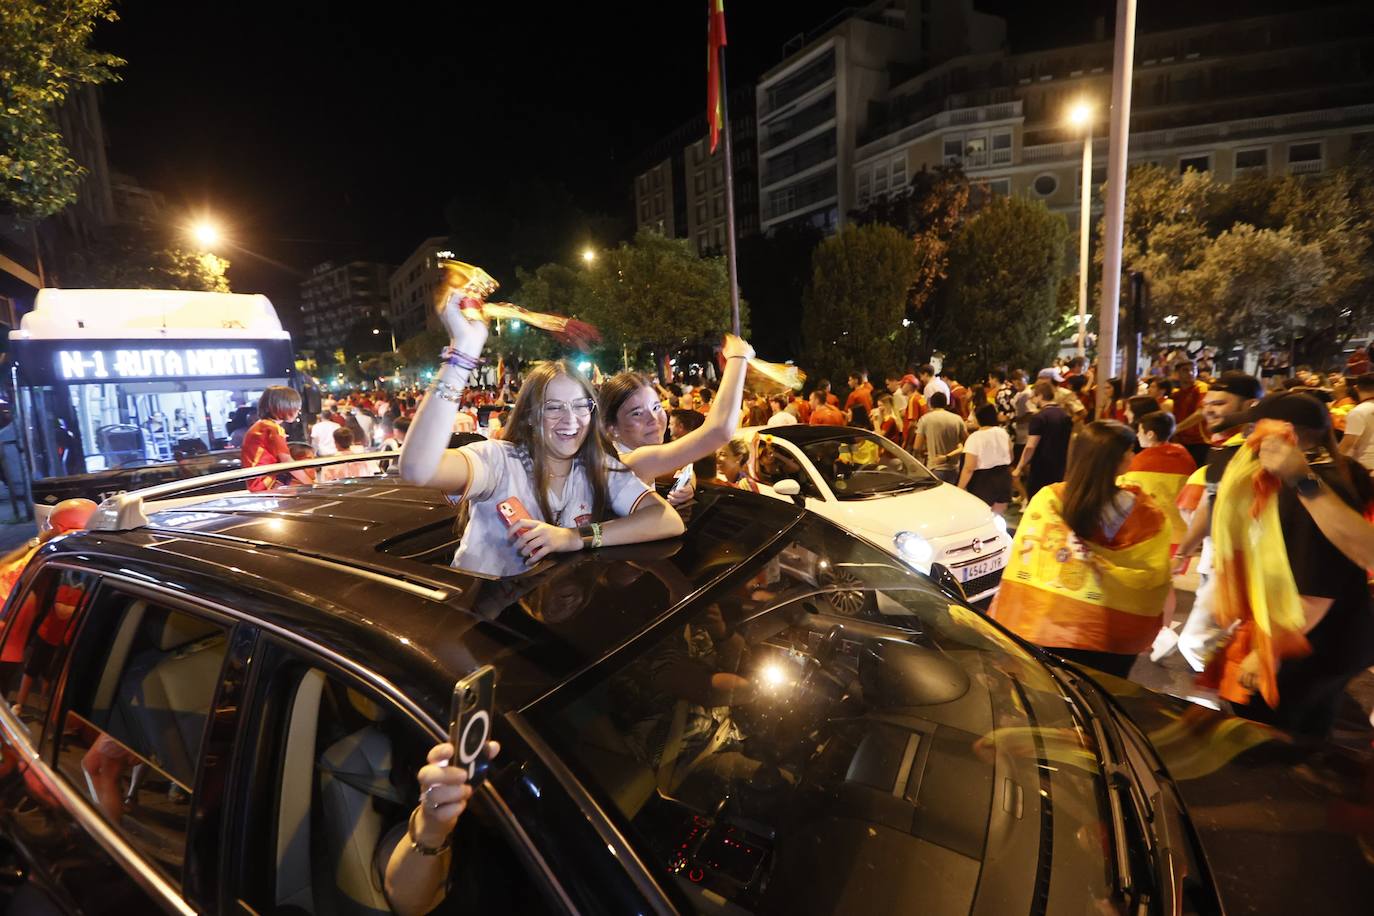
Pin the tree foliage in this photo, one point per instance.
(127, 256)
(853, 308)
(45, 55)
(1001, 304)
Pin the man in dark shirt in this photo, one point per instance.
(1047, 442)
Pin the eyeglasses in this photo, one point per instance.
(558, 410)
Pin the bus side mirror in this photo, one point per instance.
(789, 487)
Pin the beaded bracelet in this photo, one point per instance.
(452, 356)
(451, 393)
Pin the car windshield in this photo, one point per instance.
(825, 731)
(859, 465)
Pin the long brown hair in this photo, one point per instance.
(524, 429)
(1090, 482)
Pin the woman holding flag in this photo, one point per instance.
(1089, 568)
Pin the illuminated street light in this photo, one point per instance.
(588, 255)
(1170, 319)
(1081, 117)
(206, 233)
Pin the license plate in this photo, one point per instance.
(981, 568)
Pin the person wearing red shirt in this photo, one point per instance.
(265, 441)
(823, 414)
(803, 408)
(1191, 432)
(823, 386)
(860, 391)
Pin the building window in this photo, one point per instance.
(720, 205)
(880, 179)
(1196, 163)
(644, 210)
(865, 186)
(643, 183)
(954, 149)
(1304, 158)
(1045, 185)
(701, 242)
(701, 183)
(1000, 186)
(1251, 161)
(696, 154)
(658, 179)
(719, 174)
(701, 211)
(898, 174)
(1001, 148)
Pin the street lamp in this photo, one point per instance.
(588, 255)
(1081, 118)
(376, 331)
(206, 233)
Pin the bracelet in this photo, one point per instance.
(590, 535)
(596, 535)
(736, 356)
(452, 356)
(419, 847)
(451, 393)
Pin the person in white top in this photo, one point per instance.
(987, 461)
(932, 383)
(322, 436)
(553, 458)
(1358, 441)
(780, 416)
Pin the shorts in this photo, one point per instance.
(991, 485)
(41, 659)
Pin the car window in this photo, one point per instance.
(38, 637)
(332, 789)
(859, 465)
(824, 731)
(773, 462)
(135, 709)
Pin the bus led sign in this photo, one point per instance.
(212, 362)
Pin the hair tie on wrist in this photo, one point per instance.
(452, 356)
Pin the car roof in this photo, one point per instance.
(359, 568)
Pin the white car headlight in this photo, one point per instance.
(1000, 524)
(915, 549)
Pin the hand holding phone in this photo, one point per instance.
(512, 510)
(470, 722)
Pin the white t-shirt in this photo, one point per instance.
(899, 403)
(782, 418)
(991, 446)
(936, 384)
(497, 470)
(1359, 423)
(322, 438)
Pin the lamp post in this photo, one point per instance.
(1081, 117)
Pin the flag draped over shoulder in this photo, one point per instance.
(1254, 582)
(715, 84)
(1162, 471)
(1062, 591)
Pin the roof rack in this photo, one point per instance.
(125, 511)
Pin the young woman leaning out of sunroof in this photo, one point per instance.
(634, 418)
(552, 458)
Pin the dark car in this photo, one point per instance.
(225, 704)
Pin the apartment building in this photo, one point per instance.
(337, 297)
(1284, 94)
(813, 107)
(414, 286)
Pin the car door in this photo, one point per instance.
(120, 806)
(325, 789)
(775, 460)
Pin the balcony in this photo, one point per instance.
(797, 124)
(799, 84)
(1306, 167)
(1001, 112)
(813, 191)
(798, 159)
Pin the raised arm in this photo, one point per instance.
(651, 461)
(426, 459)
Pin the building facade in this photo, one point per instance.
(1286, 94)
(813, 107)
(680, 189)
(336, 298)
(413, 287)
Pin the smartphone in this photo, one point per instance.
(512, 510)
(470, 722)
(684, 477)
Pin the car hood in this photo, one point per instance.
(938, 512)
(1277, 817)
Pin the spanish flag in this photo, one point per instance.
(1061, 591)
(715, 82)
(1254, 582)
(1162, 471)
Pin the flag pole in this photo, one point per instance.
(730, 259)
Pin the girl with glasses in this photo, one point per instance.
(552, 457)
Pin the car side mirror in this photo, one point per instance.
(789, 487)
(942, 576)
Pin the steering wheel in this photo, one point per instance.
(822, 655)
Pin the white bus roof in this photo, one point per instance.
(147, 314)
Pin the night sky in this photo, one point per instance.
(347, 128)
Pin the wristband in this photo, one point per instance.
(421, 848)
(591, 535)
(1307, 486)
(451, 393)
(452, 356)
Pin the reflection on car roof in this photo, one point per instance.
(803, 435)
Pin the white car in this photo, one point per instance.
(876, 489)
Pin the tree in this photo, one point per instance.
(45, 56)
(853, 309)
(127, 256)
(1001, 304)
